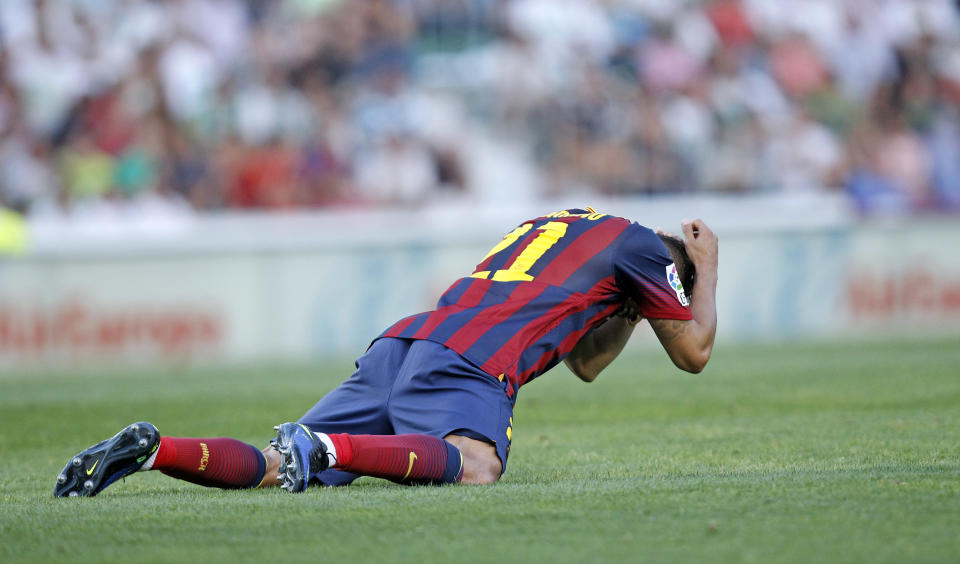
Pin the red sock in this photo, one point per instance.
(220, 463)
(406, 459)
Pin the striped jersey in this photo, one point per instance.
(543, 287)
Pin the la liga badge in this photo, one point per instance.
(674, 279)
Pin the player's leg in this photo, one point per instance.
(356, 405)
(220, 462)
(480, 462)
(348, 435)
(441, 394)
(406, 459)
(436, 395)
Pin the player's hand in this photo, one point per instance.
(701, 244)
(630, 312)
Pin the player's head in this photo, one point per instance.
(685, 268)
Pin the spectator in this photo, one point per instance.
(122, 105)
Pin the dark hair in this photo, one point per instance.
(685, 268)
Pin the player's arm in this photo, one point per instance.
(690, 343)
(597, 349)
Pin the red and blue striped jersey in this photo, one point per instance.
(543, 287)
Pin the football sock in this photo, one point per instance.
(405, 459)
(220, 462)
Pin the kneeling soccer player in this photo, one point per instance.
(431, 401)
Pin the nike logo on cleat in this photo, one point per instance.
(90, 470)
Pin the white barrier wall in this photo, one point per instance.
(862, 280)
(293, 287)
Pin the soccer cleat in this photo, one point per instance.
(90, 471)
(303, 456)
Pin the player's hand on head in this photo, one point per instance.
(660, 231)
(701, 243)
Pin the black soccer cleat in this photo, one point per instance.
(95, 468)
(304, 456)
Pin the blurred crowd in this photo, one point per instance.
(120, 107)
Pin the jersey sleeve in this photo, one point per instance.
(645, 272)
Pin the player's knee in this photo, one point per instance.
(485, 472)
(481, 465)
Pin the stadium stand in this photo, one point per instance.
(151, 109)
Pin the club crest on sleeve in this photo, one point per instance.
(674, 279)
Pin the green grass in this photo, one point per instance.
(776, 454)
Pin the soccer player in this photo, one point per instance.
(431, 401)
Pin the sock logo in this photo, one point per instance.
(413, 456)
(204, 457)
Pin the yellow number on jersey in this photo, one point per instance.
(551, 232)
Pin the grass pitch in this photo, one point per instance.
(773, 454)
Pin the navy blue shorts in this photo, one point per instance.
(404, 386)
